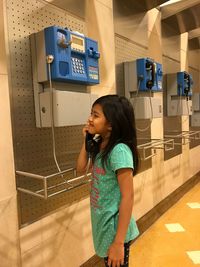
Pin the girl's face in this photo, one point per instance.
(98, 123)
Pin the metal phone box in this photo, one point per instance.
(142, 74)
(149, 74)
(75, 56)
(184, 83)
(147, 107)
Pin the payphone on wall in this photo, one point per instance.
(184, 82)
(179, 92)
(75, 56)
(142, 76)
(63, 57)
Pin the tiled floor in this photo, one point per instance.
(174, 239)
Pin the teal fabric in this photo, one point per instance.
(105, 199)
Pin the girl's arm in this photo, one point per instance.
(116, 250)
(82, 160)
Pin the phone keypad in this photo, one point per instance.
(77, 66)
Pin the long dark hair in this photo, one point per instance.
(119, 113)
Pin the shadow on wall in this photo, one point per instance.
(65, 229)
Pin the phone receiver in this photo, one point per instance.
(187, 80)
(150, 83)
(89, 142)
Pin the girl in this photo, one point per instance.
(114, 161)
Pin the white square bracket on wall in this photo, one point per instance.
(69, 108)
(177, 106)
(147, 107)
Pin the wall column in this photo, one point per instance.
(99, 23)
(185, 119)
(9, 232)
(155, 52)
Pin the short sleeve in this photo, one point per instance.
(121, 157)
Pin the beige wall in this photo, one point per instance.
(64, 238)
(99, 15)
(9, 234)
(61, 239)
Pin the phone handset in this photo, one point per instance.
(89, 143)
(187, 83)
(151, 66)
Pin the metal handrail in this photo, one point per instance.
(154, 144)
(44, 192)
(186, 136)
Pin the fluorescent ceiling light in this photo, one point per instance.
(170, 2)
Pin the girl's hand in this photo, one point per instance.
(116, 255)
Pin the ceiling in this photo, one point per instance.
(130, 7)
(184, 16)
(181, 15)
(77, 7)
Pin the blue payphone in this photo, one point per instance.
(149, 74)
(60, 58)
(143, 74)
(142, 77)
(184, 83)
(179, 92)
(75, 56)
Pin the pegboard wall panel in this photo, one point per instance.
(33, 146)
(125, 50)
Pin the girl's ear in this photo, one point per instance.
(110, 128)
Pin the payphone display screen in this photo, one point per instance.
(77, 43)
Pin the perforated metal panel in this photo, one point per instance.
(125, 50)
(33, 146)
